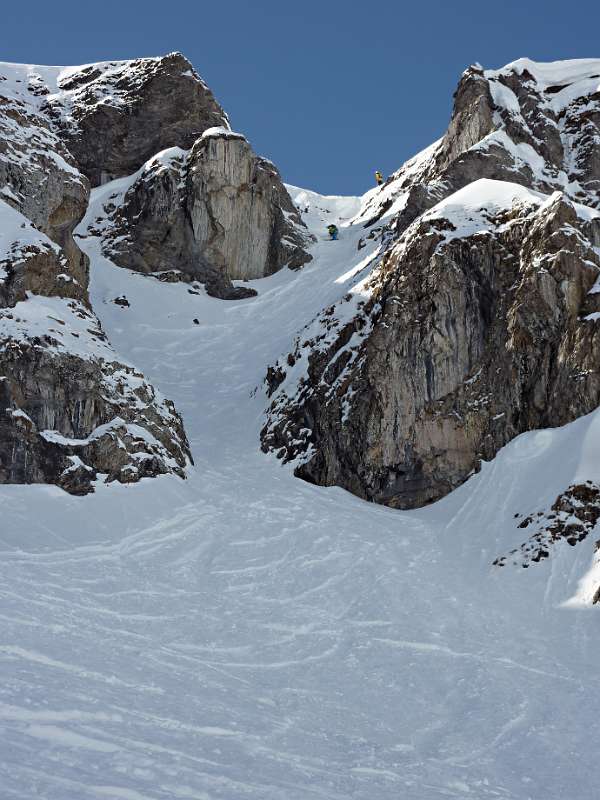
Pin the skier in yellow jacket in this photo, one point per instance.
(379, 178)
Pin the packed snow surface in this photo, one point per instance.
(243, 634)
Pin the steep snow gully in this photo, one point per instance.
(244, 634)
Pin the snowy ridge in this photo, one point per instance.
(540, 128)
(387, 201)
(470, 210)
(553, 73)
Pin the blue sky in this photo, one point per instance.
(328, 90)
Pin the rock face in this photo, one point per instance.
(212, 214)
(38, 175)
(533, 124)
(67, 418)
(114, 116)
(480, 320)
(70, 411)
(190, 201)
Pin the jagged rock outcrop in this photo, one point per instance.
(38, 175)
(114, 116)
(533, 124)
(570, 518)
(31, 262)
(193, 203)
(213, 214)
(481, 324)
(480, 320)
(66, 419)
(70, 411)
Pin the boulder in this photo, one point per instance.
(213, 214)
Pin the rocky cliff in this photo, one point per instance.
(116, 115)
(196, 204)
(479, 318)
(213, 213)
(71, 410)
(527, 123)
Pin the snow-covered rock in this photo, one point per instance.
(528, 123)
(214, 213)
(478, 320)
(39, 176)
(57, 371)
(114, 116)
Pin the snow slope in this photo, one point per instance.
(243, 634)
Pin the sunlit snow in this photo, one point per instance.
(243, 634)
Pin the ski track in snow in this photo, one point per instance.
(243, 634)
